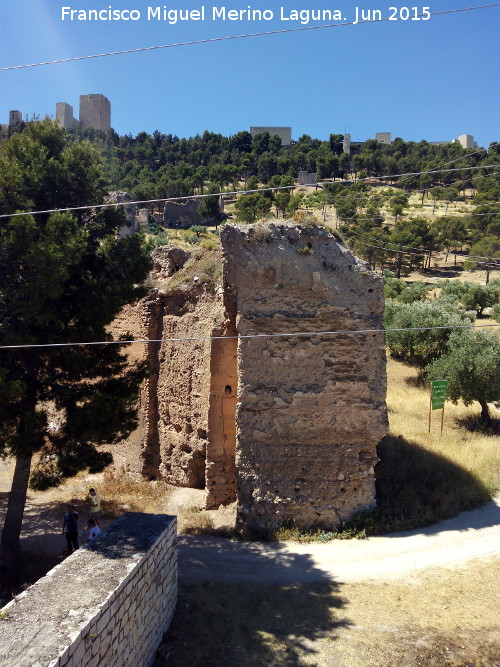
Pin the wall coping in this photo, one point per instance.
(50, 615)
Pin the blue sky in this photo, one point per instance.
(430, 80)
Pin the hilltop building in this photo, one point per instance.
(15, 117)
(64, 115)
(467, 141)
(346, 144)
(95, 111)
(384, 138)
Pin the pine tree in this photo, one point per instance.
(63, 278)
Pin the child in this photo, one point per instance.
(93, 529)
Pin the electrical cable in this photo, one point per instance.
(219, 194)
(234, 37)
(396, 251)
(421, 251)
(241, 336)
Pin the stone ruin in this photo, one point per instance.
(131, 225)
(184, 214)
(287, 425)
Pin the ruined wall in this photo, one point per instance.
(107, 604)
(178, 409)
(132, 320)
(183, 384)
(311, 409)
(182, 215)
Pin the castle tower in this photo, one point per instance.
(64, 115)
(15, 117)
(95, 111)
(346, 144)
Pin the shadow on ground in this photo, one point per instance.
(271, 624)
(42, 523)
(474, 424)
(416, 487)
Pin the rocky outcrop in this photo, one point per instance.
(311, 407)
(167, 260)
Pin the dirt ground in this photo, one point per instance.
(425, 597)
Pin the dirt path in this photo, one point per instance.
(452, 543)
(423, 598)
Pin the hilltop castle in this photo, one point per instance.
(95, 111)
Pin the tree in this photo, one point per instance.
(489, 249)
(479, 297)
(418, 345)
(198, 229)
(471, 368)
(63, 279)
(281, 202)
(250, 208)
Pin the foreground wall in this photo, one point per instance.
(106, 605)
(311, 409)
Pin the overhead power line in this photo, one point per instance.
(489, 260)
(219, 194)
(233, 37)
(420, 251)
(241, 336)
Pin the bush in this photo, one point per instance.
(416, 346)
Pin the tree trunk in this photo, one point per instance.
(11, 544)
(485, 413)
(399, 265)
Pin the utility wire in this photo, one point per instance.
(241, 336)
(220, 194)
(420, 251)
(463, 157)
(233, 37)
(423, 252)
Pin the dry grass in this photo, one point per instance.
(120, 493)
(447, 619)
(204, 267)
(408, 406)
(426, 477)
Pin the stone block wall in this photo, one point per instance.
(107, 604)
(311, 408)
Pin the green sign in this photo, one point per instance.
(438, 393)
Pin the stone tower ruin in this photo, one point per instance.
(261, 405)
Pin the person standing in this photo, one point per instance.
(95, 507)
(70, 528)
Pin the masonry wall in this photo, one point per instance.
(95, 111)
(107, 604)
(311, 409)
(174, 400)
